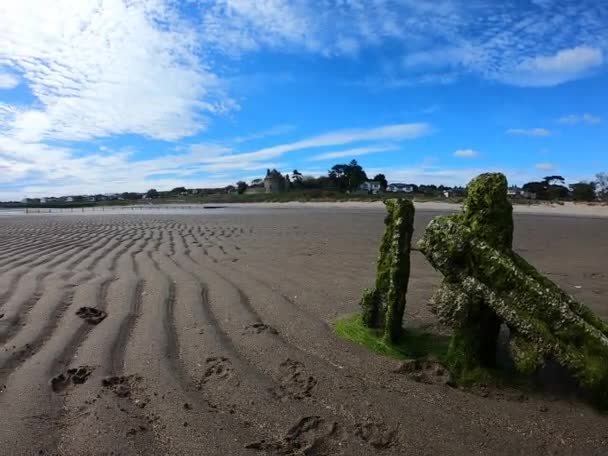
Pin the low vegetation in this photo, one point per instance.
(412, 343)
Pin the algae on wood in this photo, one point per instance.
(545, 323)
(489, 215)
(383, 306)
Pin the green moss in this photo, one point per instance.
(545, 322)
(384, 306)
(413, 343)
(526, 355)
(487, 210)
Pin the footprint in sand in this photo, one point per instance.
(217, 368)
(91, 315)
(295, 382)
(73, 376)
(258, 328)
(121, 385)
(310, 435)
(377, 434)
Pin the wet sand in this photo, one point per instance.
(215, 338)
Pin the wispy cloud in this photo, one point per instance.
(574, 119)
(466, 153)
(58, 170)
(356, 152)
(528, 132)
(563, 66)
(8, 81)
(107, 69)
(274, 131)
(545, 167)
(538, 45)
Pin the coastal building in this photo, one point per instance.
(514, 191)
(274, 182)
(30, 200)
(371, 187)
(400, 188)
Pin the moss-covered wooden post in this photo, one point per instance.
(488, 214)
(383, 306)
(545, 322)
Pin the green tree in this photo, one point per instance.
(241, 187)
(601, 184)
(548, 189)
(583, 191)
(178, 190)
(297, 176)
(130, 196)
(382, 179)
(152, 193)
(554, 180)
(347, 177)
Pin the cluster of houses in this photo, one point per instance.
(72, 199)
(516, 192)
(376, 187)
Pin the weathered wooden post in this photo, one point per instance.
(544, 321)
(384, 306)
(488, 214)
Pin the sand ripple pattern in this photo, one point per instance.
(216, 339)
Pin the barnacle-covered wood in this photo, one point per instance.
(488, 214)
(383, 306)
(544, 321)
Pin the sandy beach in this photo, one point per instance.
(215, 337)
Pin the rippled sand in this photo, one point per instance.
(217, 339)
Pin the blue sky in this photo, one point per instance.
(112, 95)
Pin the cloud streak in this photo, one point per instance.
(466, 153)
(8, 81)
(59, 170)
(534, 132)
(349, 153)
(563, 66)
(545, 166)
(574, 119)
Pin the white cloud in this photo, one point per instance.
(539, 132)
(59, 170)
(274, 131)
(107, 68)
(574, 119)
(8, 81)
(396, 132)
(466, 153)
(563, 66)
(545, 166)
(356, 152)
(438, 58)
(439, 41)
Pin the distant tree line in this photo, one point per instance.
(554, 188)
(348, 177)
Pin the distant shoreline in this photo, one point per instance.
(566, 208)
(569, 209)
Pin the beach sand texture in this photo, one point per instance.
(214, 337)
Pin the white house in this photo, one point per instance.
(370, 187)
(514, 191)
(396, 188)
